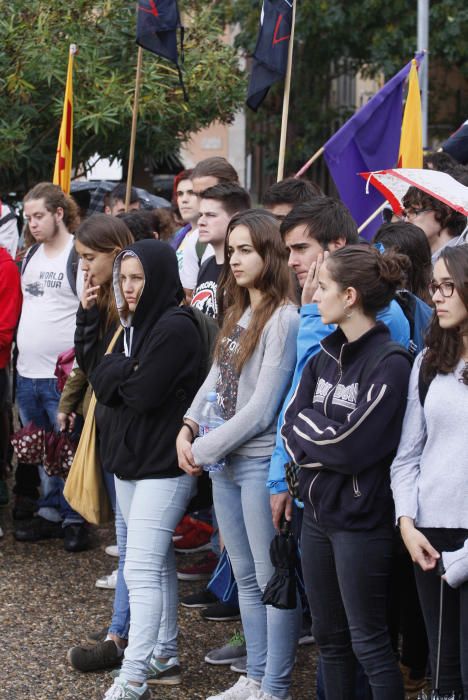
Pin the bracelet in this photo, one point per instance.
(187, 425)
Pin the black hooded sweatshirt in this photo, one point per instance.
(146, 384)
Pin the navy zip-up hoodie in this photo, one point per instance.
(146, 384)
(345, 435)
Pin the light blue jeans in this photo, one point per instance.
(242, 504)
(151, 509)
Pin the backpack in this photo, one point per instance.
(418, 314)
(208, 330)
(72, 265)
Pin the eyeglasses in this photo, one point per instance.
(446, 289)
(412, 211)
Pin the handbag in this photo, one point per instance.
(84, 489)
(64, 366)
(28, 443)
(59, 450)
(291, 472)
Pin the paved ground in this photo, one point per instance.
(48, 602)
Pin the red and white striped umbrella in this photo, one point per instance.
(394, 184)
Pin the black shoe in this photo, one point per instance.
(97, 636)
(199, 600)
(76, 538)
(96, 658)
(221, 612)
(38, 529)
(24, 508)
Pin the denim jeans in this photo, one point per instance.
(346, 575)
(242, 504)
(151, 509)
(454, 642)
(38, 401)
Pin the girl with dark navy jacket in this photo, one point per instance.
(342, 428)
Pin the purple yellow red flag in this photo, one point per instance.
(63, 160)
(411, 142)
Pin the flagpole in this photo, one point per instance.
(131, 155)
(311, 160)
(287, 91)
(372, 216)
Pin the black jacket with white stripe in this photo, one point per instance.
(345, 435)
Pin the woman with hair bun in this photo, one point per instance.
(342, 428)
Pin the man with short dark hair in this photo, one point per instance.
(281, 197)
(116, 200)
(217, 206)
(207, 173)
(310, 232)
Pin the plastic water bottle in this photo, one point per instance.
(210, 419)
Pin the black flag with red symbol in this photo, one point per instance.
(270, 57)
(157, 25)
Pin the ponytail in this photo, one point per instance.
(375, 276)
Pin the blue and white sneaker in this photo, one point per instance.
(167, 673)
(122, 690)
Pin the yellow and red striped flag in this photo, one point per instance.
(411, 145)
(63, 160)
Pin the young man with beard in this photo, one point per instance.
(46, 328)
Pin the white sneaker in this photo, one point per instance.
(107, 581)
(243, 689)
(262, 695)
(112, 550)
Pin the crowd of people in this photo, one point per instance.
(338, 372)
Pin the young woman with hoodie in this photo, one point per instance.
(342, 428)
(98, 241)
(430, 473)
(143, 389)
(253, 365)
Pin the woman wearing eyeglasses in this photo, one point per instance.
(442, 225)
(430, 472)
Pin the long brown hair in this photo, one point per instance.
(445, 345)
(105, 234)
(273, 282)
(54, 197)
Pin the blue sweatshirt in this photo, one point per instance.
(311, 332)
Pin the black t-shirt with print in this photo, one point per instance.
(204, 296)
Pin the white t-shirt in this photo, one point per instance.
(191, 266)
(48, 316)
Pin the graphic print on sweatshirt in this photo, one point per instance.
(204, 296)
(343, 395)
(228, 378)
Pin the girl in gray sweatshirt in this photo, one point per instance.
(430, 471)
(254, 361)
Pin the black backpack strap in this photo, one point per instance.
(424, 383)
(72, 269)
(200, 248)
(8, 217)
(30, 252)
(385, 350)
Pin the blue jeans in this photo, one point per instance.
(347, 575)
(121, 609)
(151, 509)
(38, 401)
(242, 504)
